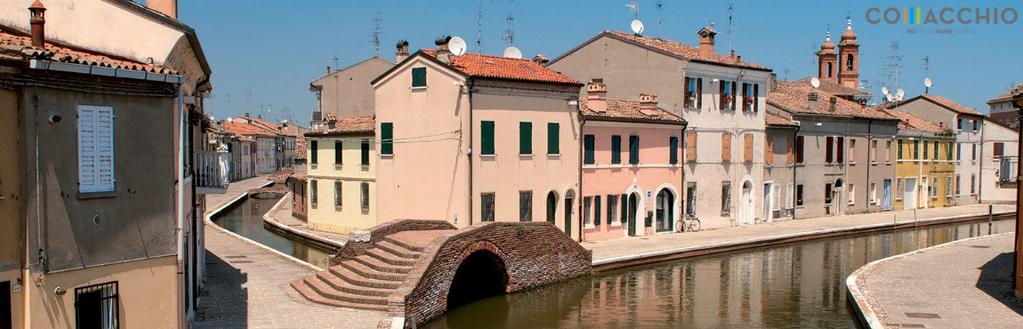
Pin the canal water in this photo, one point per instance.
(246, 219)
(800, 285)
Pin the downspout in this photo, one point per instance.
(682, 184)
(180, 204)
(471, 85)
(870, 162)
(795, 164)
(980, 167)
(582, 125)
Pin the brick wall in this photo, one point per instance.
(379, 232)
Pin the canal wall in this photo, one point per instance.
(272, 224)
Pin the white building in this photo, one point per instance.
(998, 165)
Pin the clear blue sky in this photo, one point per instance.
(273, 49)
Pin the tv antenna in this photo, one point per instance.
(378, 25)
(894, 67)
(479, 26)
(927, 79)
(731, 9)
(660, 16)
(509, 34)
(634, 8)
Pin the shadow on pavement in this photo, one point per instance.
(996, 280)
(224, 302)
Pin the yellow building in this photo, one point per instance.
(341, 176)
(925, 166)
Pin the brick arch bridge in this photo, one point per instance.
(416, 270)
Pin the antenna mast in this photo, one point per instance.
(731, 9)
(378, 23)
(660, 16)
(479, 26)
(894, 66)
(509, 34)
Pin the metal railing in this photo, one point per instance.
(211, 169)
(1007, 169)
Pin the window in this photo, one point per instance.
(386, 138)
(313, 147)
(587, 206)
(827, 149)
(487, 207)
(96, 306)
(960, 124)
(789, 154)
(799, 195)
(726, 198)
(973, 184)
(916, 150)
(852, 150)
(948, 186)
(694, 93)
(690, 146)
(852, 194)
(849, 62)
(633, 149)
(612, 208)
(616, 149)
(747, 154)
(799, 149)
(959, 151)
(690, 198)
(999, 150)
(525, 206)
(588, 142)
(948, 152)
(487, 137)
(873, 151)
(934, 154)
(596, 210)
(769, 151)
(337, 194)
(312, 193)
(829, 69)
(749, 97)
(934, 187)
(726, 147)
(873, 194)
(976, 125)
(625, 209)
(364, 199)
(900, 189)
(673, 153)
(365, 152)
(925, 150)
(337, 152)
(777, 197)
(974, 146)
(789, 196)
(840, 150)
(525, 138)
(95, 149)
(888, 151)
(827, 193)
(727, 93)
(958, 181)
(553, 138)
(419, 77)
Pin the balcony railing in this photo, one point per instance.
(1007, 169)
(211, 171)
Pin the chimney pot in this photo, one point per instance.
(648, 104)
(541, 59)
(402, 51)
(328, 69)
(596, 95)
(707, 34)
(812, 100)
(833, 100)
(443, 53)
(37, 19)
(166, 7)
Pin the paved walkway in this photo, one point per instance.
(248, 286)
(631, 248)
(282, 214)
(962, 284)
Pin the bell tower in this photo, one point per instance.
(827, 69)
(849, 57)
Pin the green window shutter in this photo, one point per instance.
(616, 149)
(487, 137)
(588, 149)
(633, 149)
(418, 77)
(365, 153)
(673, 143)
(553, 138)
(386, 138)
(525, 138)
(624, 204)
(312, 152)
(337, 152)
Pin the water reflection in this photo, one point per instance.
(246, 219)
(790, 286)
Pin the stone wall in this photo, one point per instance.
(354, 248)
(534, 254)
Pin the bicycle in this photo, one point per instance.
(693, 224)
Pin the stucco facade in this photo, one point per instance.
(439, 169)
(345, 212)
(779, 168)
(347, 91)
(999, 164)
(925, 170)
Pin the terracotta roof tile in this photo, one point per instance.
(791, 96)
(245, 129)
(487, 66)
(624, 110)
(1007, 95)
(836, 88)
(946, 103)
(777, 119)
(353, 125)
(300, 145)
(911, 122)
(682, 50)
(19, 46)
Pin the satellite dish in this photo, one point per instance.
(900, 94)
(457, 46)
(637, 26)
(512, 52)
(816, 83)
(928, 83)
(889, 97)
(884, 90)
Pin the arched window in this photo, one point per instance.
(849, 62)
(829, 70)
(552, 206)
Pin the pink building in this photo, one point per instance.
(632, 167)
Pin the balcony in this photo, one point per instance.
(1007, 169)
(211, 171)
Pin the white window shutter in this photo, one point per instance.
(95, 149)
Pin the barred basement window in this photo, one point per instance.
(525, 206)
(97, 306)
(487, 207)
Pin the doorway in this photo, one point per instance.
(665, 210)
(746, 204)
(910, 197)
(5, 305)
(886, 198)
(569, 198)
(768, 202)
(836, 196)
(552, 207)
(633, 205)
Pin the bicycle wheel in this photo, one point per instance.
(694, 225)
(680, 226)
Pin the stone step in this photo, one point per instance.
(325, 290)
(358, 280)
(341, 284)
(366, 272)
(390, 258)
(381, 266)
(309, 293)
(403, 244)
(395, 249)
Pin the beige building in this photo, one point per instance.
(341, 176)
(347, 92)
(100, 237)
(999, 164)
(475, 138)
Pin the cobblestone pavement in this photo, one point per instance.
(963, 284)
(626, 248)
(248, 286)
(283, 215)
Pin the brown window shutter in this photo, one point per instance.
(726, 147)
(748, 154)
(691, 146)
(788, 150)
(769, 151)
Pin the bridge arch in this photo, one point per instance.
(481, 273)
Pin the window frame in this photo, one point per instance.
(109, 296)
(589, 154)
(418, 75)
(526, 206)
(525, 138)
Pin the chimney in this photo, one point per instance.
(401, 53)
(811, 99)
(166, 7)
(541, 59)
(833, 100)
(328, 69)
(648, 104)
(707, 34)
(38, 21)
(596, 95)
(443, 54)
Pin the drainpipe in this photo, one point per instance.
(980, 168)
(582, 125)
(870, 162)
(795, 164)
(468, 155)
(682, 184)
(180, 203)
